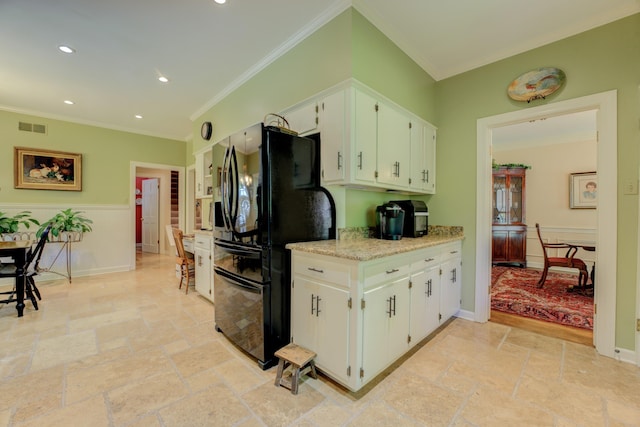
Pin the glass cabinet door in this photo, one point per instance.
(500, 201)
(515, 190)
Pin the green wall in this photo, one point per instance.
(598, 60)
(106, 157)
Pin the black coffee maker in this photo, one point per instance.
(390, 221)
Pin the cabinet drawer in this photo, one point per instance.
(426, 260)
(451, 250)
(326, 271)
(202, 241)
(384, 272)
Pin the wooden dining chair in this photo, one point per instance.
(31, 268)
(568, 261)
(187, 264)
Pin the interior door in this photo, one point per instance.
(150, 212)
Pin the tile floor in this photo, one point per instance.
(130, 349)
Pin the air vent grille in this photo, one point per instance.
(32, 127)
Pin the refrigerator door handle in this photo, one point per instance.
(224, 190)
(235, 188)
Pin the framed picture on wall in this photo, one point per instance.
(38, 169)
(583, 190)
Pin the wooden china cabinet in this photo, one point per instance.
(509, 231)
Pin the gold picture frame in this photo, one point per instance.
(38, 169)
(583, 188)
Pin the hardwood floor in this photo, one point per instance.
(568, 333)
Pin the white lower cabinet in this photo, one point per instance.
(361, 316)
(385, 325)
(450, 282)
(203, 268)
(425, 296)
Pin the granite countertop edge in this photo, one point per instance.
(369, 249)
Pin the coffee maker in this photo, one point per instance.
(390, 221)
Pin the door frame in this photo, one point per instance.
(133, 168)
(605, 103)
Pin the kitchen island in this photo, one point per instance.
(362, 303)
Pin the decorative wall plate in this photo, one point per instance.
(536, 84)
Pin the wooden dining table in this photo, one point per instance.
(17, 251)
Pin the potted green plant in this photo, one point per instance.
(67, 220)
(10, 224)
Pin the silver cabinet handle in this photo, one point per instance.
(339, 160)
(392, 271)
(360, 161)
(317, 270)
(429, 259)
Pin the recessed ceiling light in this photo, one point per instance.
(138, 116)
(68, 102)
(163, 79)
(220, 1)
(66, 49)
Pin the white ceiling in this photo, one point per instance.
(207, 50)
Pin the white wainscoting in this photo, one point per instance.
(586, 236)
(106, 249)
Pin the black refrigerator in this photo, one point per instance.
(261, 213)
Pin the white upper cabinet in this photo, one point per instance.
(365, 135)
(204, 178)
(394, 138)
(303, 119)
(367, 140)
(333, 133)
(423, 157)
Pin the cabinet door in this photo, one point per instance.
(364, 155)
(417, 162)
(429, 140)
(304, 119)
(203, 273)
(385, 325)
(394, 139)
(425, 303)
(332, 137)
(320, 322)
(450, 288)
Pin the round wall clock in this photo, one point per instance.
(206, 130)
(536, 84)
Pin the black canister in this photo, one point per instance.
(390, 221)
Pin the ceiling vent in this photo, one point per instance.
(32, 127)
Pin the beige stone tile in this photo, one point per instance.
(177, 346)
(378, 414)
(623, 413)
(91, 412)
(14, 364)
(535, 342)
(329, 414)
(37, 406)
(568, 401)
(422, 400)
(54, 351)
(541, 365)
(5, 417)
(35, 386)
(486, 407)
(215, 406)
(133, 400)
(429, 364)
(86, 382)
(159, 334)
(201, 358)
(276, 406)
(491, 375)
(107, 318)
(151, 420)
(238, 375)
(202, 380)
(460, 384)
(116, 331)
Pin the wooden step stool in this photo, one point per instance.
(301, 361)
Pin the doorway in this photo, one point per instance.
(550, 149)
(606, 237)
(171, 200)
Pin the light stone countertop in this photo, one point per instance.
(368, 249)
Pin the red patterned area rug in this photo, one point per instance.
(515, 291)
